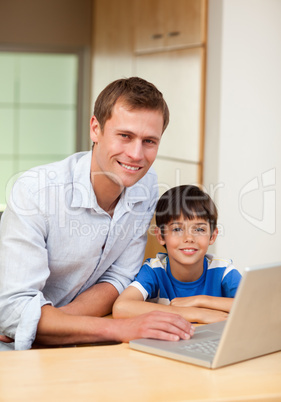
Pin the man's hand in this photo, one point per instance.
(58, 328)
(6, 339)
(156, 325)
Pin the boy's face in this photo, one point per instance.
(128, 144)
(187, 242)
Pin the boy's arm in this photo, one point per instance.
(131, 303)
(204, 301)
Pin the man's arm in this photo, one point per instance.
(97, 301)
(57, 328)
(65, 325)
(130, 304)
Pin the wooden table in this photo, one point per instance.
(117, 373)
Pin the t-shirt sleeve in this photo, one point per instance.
(231, 282)
(146, 281)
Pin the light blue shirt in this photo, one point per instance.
(55, 242)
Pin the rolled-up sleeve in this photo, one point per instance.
(124, 269)
(23, 267)
(122, 272)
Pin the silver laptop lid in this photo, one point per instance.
(254, 324)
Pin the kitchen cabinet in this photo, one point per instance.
(167, 24)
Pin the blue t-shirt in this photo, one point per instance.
(156, 282)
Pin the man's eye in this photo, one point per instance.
(151, 142)
(124, 135)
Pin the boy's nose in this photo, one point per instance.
(188, 237)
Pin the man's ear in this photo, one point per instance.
(158, 235)
(214, 236)
(95, 129)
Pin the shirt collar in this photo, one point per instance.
(83, 193)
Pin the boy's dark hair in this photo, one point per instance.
(136, 93)
(189, 201)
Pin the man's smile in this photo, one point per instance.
(129, 167)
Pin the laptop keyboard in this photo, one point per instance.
(206, 347)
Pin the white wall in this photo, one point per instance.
(243, 128)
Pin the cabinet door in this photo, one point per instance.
(184, 22)
(149, 24)
(163, 24)
(112, 42)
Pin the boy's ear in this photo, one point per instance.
(94, 129)
(214, 236)
(158, 235)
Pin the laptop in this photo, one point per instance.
(252, 329)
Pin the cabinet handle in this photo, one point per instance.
(157, 36)
(174, 33)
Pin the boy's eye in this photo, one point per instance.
(199, 230)
(177, 229)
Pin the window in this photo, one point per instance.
(38, 111)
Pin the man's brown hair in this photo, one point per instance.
(136, 93)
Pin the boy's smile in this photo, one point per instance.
(187, 242)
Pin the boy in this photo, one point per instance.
(186, 280)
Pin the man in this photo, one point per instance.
(74, 232)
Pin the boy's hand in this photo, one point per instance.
(191, 301)
(223, 304)
(208, 316)
(206, 309)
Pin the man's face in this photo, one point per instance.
(128, 145)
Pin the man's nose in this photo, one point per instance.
(135, 150)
